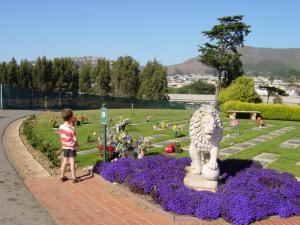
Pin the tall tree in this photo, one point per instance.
(85, 78)
(3, 73)
(12, 73)
(124, 77)
(24, 74)
(273, 91)
(66, 74)
(101, 77)
(42, 74)
(57, 75)
(222, 53)
(154, 84)
(72, 70)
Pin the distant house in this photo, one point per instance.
(293, 90)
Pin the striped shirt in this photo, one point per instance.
(68, 136)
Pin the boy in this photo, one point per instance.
(69, 144)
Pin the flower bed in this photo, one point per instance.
(244, 197)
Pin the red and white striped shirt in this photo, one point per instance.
(68, 136)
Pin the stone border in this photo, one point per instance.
(18, 155)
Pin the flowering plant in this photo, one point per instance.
(248, 193)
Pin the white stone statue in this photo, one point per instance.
(206, 133)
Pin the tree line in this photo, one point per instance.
(122, 77)
(198, 87)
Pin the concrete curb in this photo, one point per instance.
(21, 159)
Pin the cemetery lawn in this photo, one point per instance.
(139, 127)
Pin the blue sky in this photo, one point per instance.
(168, 30)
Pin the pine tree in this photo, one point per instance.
(12, 73)
(101, 77)
(25, 74)
(154, 85)
(125, 77)
(66, 75)
(57, 75)
(221, 53)
(42, 75)
(3, 73)
(85, 77)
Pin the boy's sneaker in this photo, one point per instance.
(63, 179)
(75, 180)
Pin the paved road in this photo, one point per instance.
(17, 205)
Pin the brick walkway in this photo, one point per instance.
(94, 202)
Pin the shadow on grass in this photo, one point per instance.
(153, 153)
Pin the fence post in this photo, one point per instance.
(59, 100)
(32, 103)
(1, 97)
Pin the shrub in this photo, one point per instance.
(249, 195)
(268, 111)
(40, 143)
(241, 89)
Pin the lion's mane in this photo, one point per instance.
(202, 141)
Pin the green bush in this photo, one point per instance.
(40, 143)
(268, 111)
(241, 89)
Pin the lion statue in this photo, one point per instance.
(206, 131)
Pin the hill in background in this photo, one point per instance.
(274, 61)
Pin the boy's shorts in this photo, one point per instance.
(69, 153)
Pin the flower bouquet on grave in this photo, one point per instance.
(53, 121)
(82, 118)
(110, 150)
(148, 118)
(75, 121)
(170, 148)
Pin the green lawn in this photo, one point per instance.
(139, 126)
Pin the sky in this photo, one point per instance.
(167, 30)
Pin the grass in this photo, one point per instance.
(285, 162)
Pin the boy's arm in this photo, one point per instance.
(75, 138)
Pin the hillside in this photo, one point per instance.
(254, 59)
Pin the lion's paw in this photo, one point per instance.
(213, 165)
(196, 170)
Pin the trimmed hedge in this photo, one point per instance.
(268, 111)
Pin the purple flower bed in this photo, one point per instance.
(244, 197)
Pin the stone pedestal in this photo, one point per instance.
(198, 182)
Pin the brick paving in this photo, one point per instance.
(95, 202)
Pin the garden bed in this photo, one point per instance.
(248, 193)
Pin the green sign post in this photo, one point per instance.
(103, 116)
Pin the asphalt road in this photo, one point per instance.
(17, 204)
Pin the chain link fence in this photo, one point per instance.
(25, 98)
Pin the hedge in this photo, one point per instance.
(268, 111)
(40, 143)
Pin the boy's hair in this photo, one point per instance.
(67, 114)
